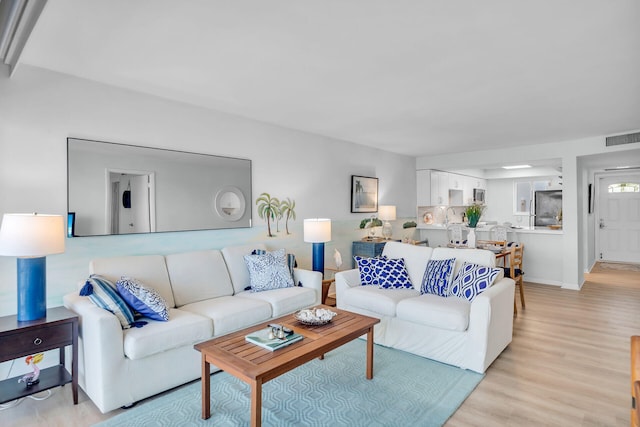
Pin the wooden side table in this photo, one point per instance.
(19, 339)
(326, 285)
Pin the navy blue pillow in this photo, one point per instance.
(437, 277)
(144, 299)
(392, 274)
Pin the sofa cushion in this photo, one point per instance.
(145, 300)
(238, 271)
(231, 313)
(285, 300)
(197, 276)
(149, 269)
(392, 274)
(415, 257)
(183, 328)
(105, 295)
(269, 271)
(437, 277)
(432, 310)
(376, 300)
(473, 279)
(367, 267)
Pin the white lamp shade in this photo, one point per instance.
(317, 230)
(387, 212)
(31, 235)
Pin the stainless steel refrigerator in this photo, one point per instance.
(548, 207)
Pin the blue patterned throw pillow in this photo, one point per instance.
(472, 280)
(104, 294)
(291, 263)
(392, 274)
(269, 271)
(367, 269)
(437, 276)
(145, 300)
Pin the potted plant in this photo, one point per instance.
(473, 213)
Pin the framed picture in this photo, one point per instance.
(591, 197)
(364, 194)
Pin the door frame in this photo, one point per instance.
(596, 200)
(152, 195)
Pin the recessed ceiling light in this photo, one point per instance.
(516, 167)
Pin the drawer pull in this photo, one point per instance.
(37, 341)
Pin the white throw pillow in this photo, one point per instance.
(269, 271)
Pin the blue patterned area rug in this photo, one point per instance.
(406, 390)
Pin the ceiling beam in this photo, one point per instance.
(17, 20)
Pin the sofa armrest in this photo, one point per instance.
(99, 330)
(345, 280)
(491, 322)
(309, 279)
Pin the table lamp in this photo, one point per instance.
(387, 213)
(31, 237)
(317, 231)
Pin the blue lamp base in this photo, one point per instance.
(32, 288)
(318, 257)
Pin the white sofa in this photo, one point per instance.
(451, 330)
(205, 291)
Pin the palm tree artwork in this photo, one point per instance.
(288, 208)
(268, 209)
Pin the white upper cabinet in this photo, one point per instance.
(433, 187)
(439, 188)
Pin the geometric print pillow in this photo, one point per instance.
(367, 269)
(145, 300)
(472, 280)
(437, 276)
(268, 271)
(392, 274)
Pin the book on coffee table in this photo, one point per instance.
(262, 339)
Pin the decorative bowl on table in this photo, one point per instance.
(315, 316)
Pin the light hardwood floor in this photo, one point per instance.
(568, 365)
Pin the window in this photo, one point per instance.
(524, 195)
(624, 187)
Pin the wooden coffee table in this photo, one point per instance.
(256, 366)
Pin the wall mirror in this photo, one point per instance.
(123, 189)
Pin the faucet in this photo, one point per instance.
(446, 215)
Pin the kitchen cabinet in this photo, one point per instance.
(433, 187)
(439, 188)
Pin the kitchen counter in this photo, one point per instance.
(534, 230)
(542, 252)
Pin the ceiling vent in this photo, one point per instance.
(629, 138)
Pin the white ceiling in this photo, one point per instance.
(416, 77)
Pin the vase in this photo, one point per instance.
(471, 238)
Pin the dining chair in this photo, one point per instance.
(515, 272)
(455, 234)
(498, 232)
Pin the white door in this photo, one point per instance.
(140, 204)
(133, 212)
(618, 218)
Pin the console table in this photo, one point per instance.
(366, 249)
(19, 339)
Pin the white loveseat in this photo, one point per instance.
(451, 330)
(206, 294)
